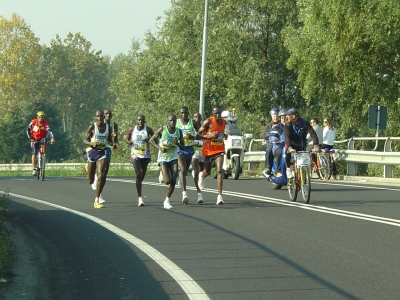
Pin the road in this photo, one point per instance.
(259, 245)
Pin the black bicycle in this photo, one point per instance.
(41, 160)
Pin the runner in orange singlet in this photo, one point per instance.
(213, 147)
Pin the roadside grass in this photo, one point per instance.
(5, 244)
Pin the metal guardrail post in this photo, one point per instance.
(351, 166)
(388, 169)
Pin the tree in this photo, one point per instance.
(74, 80)
(346, 57)
(19, 58)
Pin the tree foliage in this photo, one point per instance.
(19, 57)
(346, 55)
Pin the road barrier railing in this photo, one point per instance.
(352, 157)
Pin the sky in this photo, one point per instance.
(110, 25)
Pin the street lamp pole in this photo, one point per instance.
(203, 61)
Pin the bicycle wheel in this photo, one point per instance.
(305, 184)
(43, 167)
(292, 186)
(325, 169)
(38, 162)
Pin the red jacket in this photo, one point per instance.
(38, 131)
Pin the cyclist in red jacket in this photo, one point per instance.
(38, 130)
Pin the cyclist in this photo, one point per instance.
(266, 134)
(296, 130)
(38, 130)
(277, 139)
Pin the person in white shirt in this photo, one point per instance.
(328, 134)
(328, 139)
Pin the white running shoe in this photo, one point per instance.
(140, 202)
(289, 173)
(199, 198)
(178, 183)
(167, 205)
(220, 201)
(201, 181)
(101, 199)
(185, 200)
(94, 184)
(160, 178)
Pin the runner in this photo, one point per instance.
(97, 137)
(214, 148)
(138, 138)
(170, 140)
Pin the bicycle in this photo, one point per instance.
(324, 163)
(301, 179)
(41, 160)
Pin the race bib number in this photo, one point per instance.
(218, 141)
(139, 148)
(169, 143)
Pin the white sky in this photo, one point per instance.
(109, 25)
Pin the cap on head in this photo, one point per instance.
(274, 112)
(293, 111)
(41, 114)
(283, 112)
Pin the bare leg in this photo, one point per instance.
(183, 171)
(101, 167)
(91, 170)
(218, 166)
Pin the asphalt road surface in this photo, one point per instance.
(344, 244)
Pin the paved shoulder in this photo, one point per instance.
(63, 256)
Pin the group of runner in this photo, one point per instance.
(181, 143)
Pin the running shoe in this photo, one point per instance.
(160, 178)
(220, 201)
(199, 198)
(185, 200)
(94, 184)
(167, 205)
(101, 199)
(97, 204)
(140, 202)
(34, 172)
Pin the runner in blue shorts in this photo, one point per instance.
(189, 129)
(97, 137)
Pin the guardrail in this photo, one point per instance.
(66, 166)
(352, 157)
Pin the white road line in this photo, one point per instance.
(191, 288)
(322, 209)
